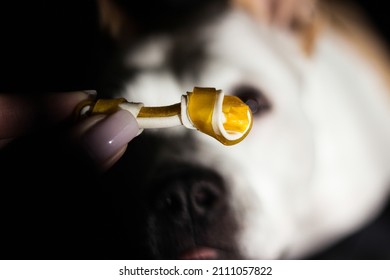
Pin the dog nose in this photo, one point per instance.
(190, 194)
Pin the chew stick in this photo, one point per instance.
(225, 118)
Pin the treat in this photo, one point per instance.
(225, 118)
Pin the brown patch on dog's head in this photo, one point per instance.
(308, 34)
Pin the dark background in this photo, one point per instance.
(48, 46)
(56, 45)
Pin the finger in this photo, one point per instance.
(19, 114)
(105, 138)
(107, 164)
(61, 106)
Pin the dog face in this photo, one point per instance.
(319, 137)
(202, 199)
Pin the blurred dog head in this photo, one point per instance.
(181, 194)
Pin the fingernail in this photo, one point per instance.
(109, 135)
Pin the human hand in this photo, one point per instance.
(103, 138)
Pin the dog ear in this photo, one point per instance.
(114, 21)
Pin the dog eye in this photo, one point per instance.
(254, 98)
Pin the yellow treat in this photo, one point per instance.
(225, 118)
(236, 114)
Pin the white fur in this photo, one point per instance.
(316, 167)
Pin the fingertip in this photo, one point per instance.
(107, 164)
(61, 106)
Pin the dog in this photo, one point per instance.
(315, 167)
